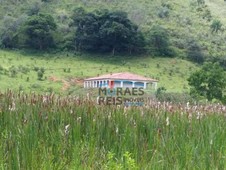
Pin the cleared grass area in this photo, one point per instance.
(62, 69)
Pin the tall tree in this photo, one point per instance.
(194, 53)
(39, 30)
(159, 41)
(118, 33)
(106, 31)
(209, 82)
(10, 30)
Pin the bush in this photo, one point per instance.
(175, 97)
(40, 73)
(194, 53)
(36, 86)
(158, 39)
(13, 71)
(163, 12)
(23, 69)
(216, 26)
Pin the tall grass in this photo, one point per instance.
(54, 132)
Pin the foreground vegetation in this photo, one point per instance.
(53, 132)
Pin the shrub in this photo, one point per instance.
(174, 97)
(163, 12)
(216, 26)
(40, 74)
(158, 40)
(13, 71)
(162, 95)
(35, 86)
(194, 53)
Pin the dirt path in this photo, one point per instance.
(67, 83)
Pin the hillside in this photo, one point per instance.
(186, 21)
(188, 24)
(64, 72)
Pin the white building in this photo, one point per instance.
(123, 80)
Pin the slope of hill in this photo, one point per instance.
(63, 73)
(186, 21)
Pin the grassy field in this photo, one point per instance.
(51, 132)
(64, 72)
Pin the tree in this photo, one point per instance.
(159, 41)
(39, 30)
(10, 30)
(209, 82)
(118, 33)
(194, 53)
(106, 31)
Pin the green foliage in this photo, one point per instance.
(207, 15)
(163, 12)
(40, 73)
(9, 33)
(111, 163)
(34, 9)
(201, 2)
(160, 91)
(216, 26)
(39, 31)
(209, 82)
(106, 31)
(13, 71)
(158, 40)
(163, 96)
(194, 53)
(55, 132)
(190, 20)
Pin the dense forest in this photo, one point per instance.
(188, 30)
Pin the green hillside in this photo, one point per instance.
(186, 21)
(64, 72)
(188, 24)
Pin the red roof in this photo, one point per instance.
(122, 76)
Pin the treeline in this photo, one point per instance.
(108, 31)
(101, 31)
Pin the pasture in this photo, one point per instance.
(64, 72)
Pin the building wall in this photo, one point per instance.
(117, 84)
(127, 84)
(139, 84)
